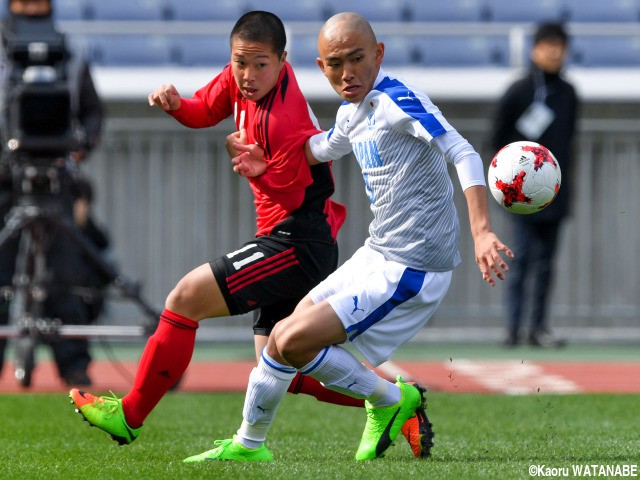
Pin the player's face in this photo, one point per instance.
(350, 63)
(549, 55)
(256, 67)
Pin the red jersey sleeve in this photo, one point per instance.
(210, 104)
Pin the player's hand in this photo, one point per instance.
(165, 97)
(235, 137)
(250, 160)
(487, 248)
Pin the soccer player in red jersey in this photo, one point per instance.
(297, 223)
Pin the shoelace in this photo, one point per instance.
(108, 403)
(222, 443)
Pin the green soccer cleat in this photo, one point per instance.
(106, 414)
(384, 423)
(229, 449)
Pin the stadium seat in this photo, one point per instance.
(205, 10)
(372, 10)
(133, 50)
(203, 51)
(399, 50)
(127, 10)
(446, 11)
(463, 51)
(608, 51)
(303, 51)
(529, 11)
(303, 11)
(70, 10)
(602, 11)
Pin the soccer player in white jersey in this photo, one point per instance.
(388, 290)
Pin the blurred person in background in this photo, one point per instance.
(541, 107)
(65, 260)
(96, 236)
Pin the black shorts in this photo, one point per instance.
(270, 275)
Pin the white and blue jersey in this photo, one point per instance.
(393, 134)
(387, 291)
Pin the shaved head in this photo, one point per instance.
(346, 24)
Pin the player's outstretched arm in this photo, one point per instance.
(165, 97)
(487, 244)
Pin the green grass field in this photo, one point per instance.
(477, 436)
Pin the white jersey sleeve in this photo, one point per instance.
(411, 112)
(458, 151)
(331, 145)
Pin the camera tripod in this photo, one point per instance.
(34, 222)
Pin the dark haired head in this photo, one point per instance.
(550, 31)
(82, 188)
(261, 27)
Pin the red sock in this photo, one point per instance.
(311, 386)
(164, 359)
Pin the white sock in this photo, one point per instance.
(337, 369)
(268, 383)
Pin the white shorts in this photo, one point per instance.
(382, 304)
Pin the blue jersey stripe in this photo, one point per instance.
(330, 132)
(398, 92)
(409, 286)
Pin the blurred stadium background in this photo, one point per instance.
(170, 201)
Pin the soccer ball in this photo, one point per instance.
(524, 177)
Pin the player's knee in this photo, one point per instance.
(277, 338)
(271, 349)
(184, 294)
(291, 344)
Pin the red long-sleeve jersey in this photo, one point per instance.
(290, 192)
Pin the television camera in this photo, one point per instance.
(39, 128)
(39, 99)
